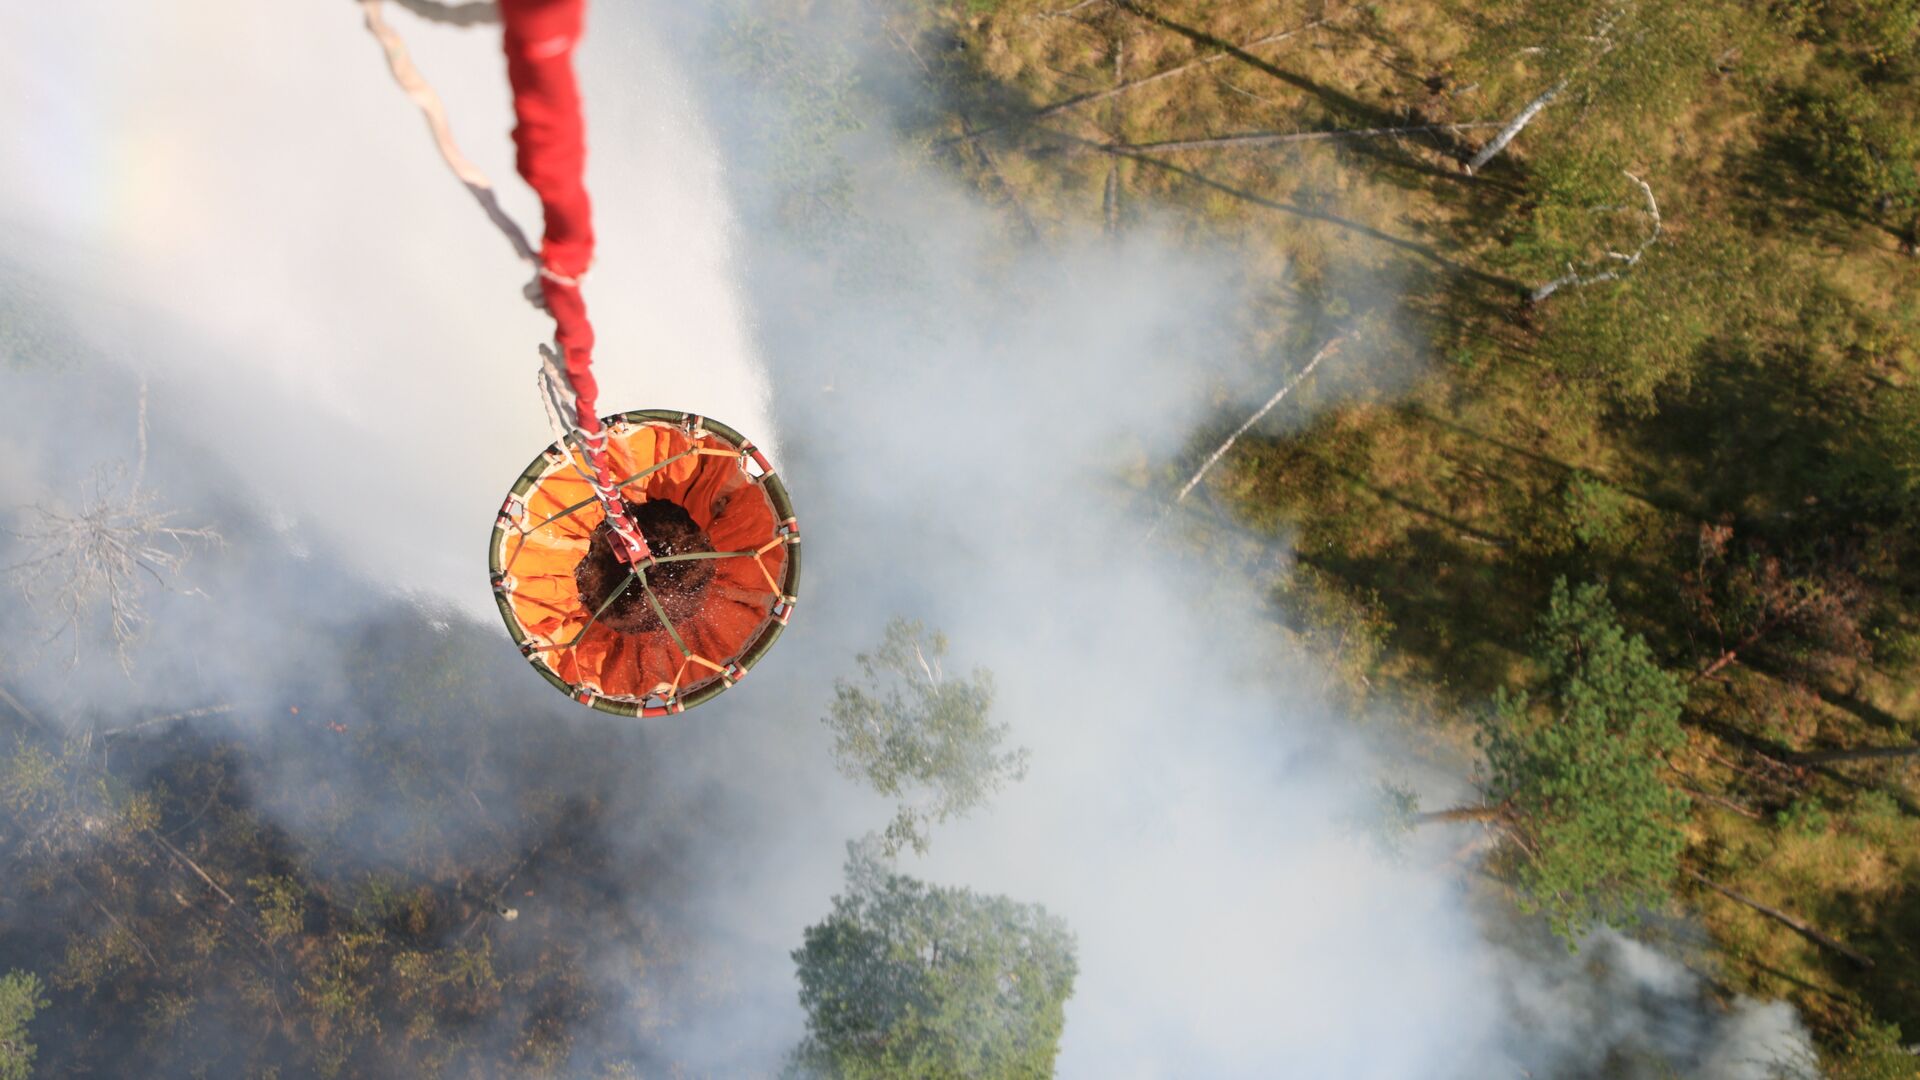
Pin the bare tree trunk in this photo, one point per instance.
(1332, 346)
(24, 713)
(198, 871)
(1492, 150)
(1462, 813)
(190, 714)
(1859, 753)
(1798, 926)
(111, 917)
(1110, 197)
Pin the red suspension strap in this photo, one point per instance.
(550, 137)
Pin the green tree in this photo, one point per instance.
(1873, 1052)
(914, 733)
(1583, 773)
(1863, 147)
(906, 979)
(1876, 473)
(1879, 36)
(20, 1001)
(1576, 777)
(281, 905)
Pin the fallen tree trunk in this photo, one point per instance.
(1622, 262)
(1332, 346)
(1724, 803)
(1514, 127)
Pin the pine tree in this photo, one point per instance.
(906, 979)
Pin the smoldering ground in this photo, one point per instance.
(248, 216)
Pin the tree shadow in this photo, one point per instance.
(1781, 174)
(1464, 619)
(1779, 755)
(1740, 411)
(1425, 252)
(1652, 498)
(1343, 106)
(1866, 712)
(1892, 989)
(993, 110)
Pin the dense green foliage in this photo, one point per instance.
(906, 979)
(1873, 1053)
(916, 734)
(1582, 774)
(21, 996)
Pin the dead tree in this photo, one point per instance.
(108, 552)
(1514, 127)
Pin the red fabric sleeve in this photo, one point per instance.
(550, 137)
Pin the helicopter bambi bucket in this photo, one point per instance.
(678, 627)
(645, 561)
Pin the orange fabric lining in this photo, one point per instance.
(720, 496)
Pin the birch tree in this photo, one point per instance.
(917, 733)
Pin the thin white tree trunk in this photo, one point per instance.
(1492, 150)
(1219, 452)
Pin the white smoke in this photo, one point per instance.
(251, 175)
(1620, 1008)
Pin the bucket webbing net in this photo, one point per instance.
(658, 637)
